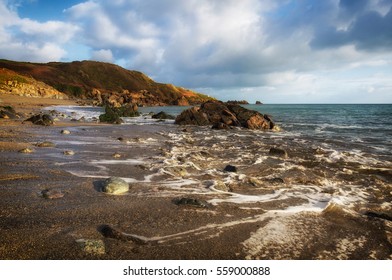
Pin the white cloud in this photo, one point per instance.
(103, 55)
(52, 31)
(30, 40)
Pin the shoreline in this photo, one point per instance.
(259, 212)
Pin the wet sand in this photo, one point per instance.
(159, 171)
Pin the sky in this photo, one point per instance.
(274, 51)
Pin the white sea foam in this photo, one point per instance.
(117, 161)
(77, 112)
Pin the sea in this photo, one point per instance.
(362, 127)
(337, 166)
(327, 144)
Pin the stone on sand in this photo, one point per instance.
(115, 185)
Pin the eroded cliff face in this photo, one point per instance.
(16, 84)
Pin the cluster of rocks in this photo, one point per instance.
(41, 119)
(223, 116)
(240, 102)
(118, 99)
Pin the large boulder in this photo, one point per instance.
(216, 113)
(162, 116)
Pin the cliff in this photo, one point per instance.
(104, 82)
(13, 83)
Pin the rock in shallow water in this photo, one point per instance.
(115, 185)
(192, 202)
(230, 168)
(163, 116)
(278, 152)
(7, 112)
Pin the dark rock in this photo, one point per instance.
(215, 112)
(115, 185)
(230, 168)
(220, 126)
(110, 116)
(276, 181)
(378, 215)
(52, 194)
(192, 202)
(163, 116)
(187, 129)
(243, 102)
(110, 232)
(259, 103)
(278, 152)
(192, 116)
(41, 119)
(7, 112)
(45, 144)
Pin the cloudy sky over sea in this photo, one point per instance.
(276, 51)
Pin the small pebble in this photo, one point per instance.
(65, 131)
(26, 151)
(52, 194)
(116, 155)
(69, 153)
(45, 144)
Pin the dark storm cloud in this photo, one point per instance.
(368, 29)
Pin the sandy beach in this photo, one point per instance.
(162, 164)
